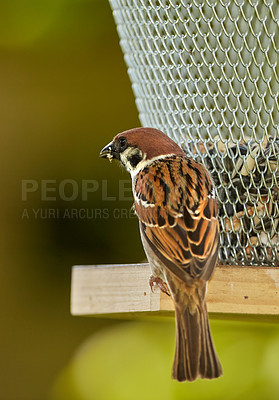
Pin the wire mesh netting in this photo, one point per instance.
(206, 72)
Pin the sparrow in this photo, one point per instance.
(176, 206)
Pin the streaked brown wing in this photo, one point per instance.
(179, 221)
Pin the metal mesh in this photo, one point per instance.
(206, 73)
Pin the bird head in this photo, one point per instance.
(137, 147)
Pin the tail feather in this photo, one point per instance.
(210, 366)
(195, 353)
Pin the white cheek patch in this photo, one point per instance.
(123, 158)
(128, 154)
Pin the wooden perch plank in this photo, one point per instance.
(112, 289)
(107, 289)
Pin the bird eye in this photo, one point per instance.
(122, 142)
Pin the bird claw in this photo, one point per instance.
(160, 283)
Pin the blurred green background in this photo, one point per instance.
(64, 93)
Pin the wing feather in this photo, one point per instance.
(179, 216)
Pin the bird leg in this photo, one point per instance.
(155, 280)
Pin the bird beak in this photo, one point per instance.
(107, 152)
